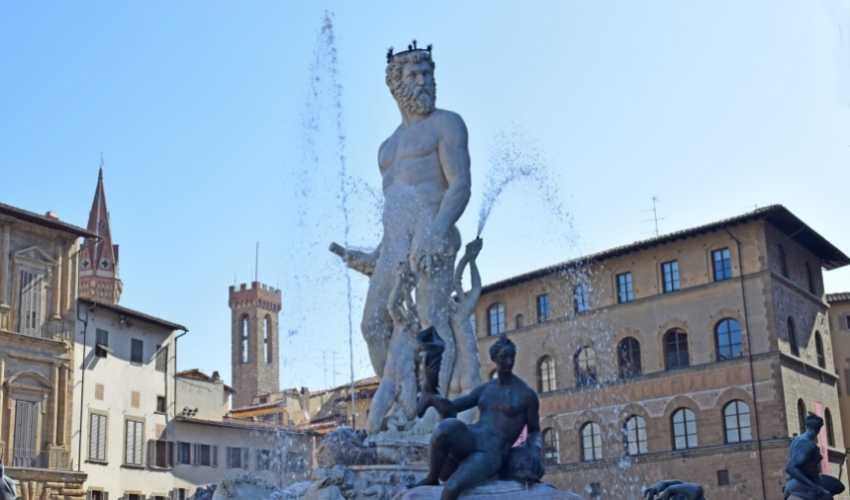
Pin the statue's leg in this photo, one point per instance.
(432, 298)
(407, 396)
(473, 470)
(451, 437)
(381, 402)
(377, 325)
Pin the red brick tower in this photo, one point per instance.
(254, 355)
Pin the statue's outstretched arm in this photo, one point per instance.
(362, 262)
(450, 408)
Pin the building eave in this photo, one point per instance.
(777, 215)
(42, 220)
(133, 314)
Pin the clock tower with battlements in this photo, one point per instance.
(254, 355)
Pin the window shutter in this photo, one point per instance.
(94, 432)
(170, 456)
(245, 456)
(152, 453)
(101, 436)
(214, 452)
(128, 445)
(140, 443)
(105, 495)
(196, 455)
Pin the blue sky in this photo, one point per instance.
(199, 109)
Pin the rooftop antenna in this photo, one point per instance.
(257, 263)
(655, 218)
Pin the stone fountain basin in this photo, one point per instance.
(493, 490)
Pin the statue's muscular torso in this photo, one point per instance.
(414, 181)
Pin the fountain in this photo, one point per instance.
(416, 319)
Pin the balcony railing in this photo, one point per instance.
(57, 458)
(52, 330)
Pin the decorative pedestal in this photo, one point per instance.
(493, 490)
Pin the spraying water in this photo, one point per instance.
(515, 158)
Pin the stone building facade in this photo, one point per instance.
(38, 295)
(692, 355)
(255, 360)
(839, 324)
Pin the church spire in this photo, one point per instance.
(99, 257)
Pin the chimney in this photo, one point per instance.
(50, 214)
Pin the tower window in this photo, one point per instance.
(243, 329)
(267, 339)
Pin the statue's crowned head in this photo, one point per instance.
(410, 77)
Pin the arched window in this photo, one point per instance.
(801, 415)
(244, 330)
(628, 357)
(727, 339)
(496, 319)
(585, 365)
(684, 429)
(736, 422)
(551, 450)
(546, 375)
(676, 350)
(634, 435)
(830, 431)
(267, 339)
(792, 337)
(519, 321)
(591, 442)
(819, 350)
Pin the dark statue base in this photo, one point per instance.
(493, 490)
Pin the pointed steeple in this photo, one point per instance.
(99, 257)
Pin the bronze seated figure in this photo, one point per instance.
(464, 456)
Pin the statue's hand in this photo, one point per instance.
(361, 262)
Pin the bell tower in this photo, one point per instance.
(99, 256)
(254, 356)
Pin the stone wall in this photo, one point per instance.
(43, 484)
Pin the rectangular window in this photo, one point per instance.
(184, 453)
(264, 459)
(31, 302)
(722, 264)
(134, 496)
(101, 343)
(97, 437)
(134, 433)
(625, 290)
(234, 458)
(162, 453)
(670, 273)
(162, 359)
(181, 494)
(496, 317)
(24, 436)
(97, 495)
(542, 307)
(161, 404)
(136, 351)
(581, 298)
(847, 322)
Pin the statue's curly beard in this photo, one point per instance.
(417, 100)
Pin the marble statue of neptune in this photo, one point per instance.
(424, 167)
